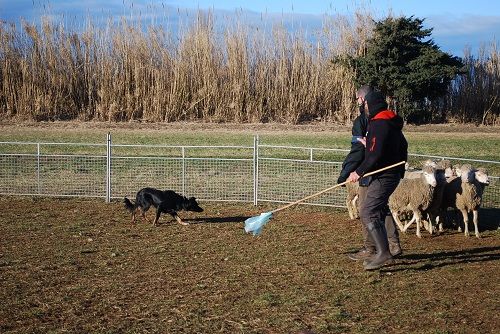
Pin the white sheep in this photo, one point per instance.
(413, 173)
(465, 194)
(462, 173)
(447, 167)
(414, 195)
(444, 174)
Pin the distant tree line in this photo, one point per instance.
(124, 72)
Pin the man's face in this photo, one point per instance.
(360, 100)
(363, 106)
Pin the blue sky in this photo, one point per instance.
(456, 23)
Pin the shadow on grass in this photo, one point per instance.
(420, 262)
(487, 220)
(217, 220)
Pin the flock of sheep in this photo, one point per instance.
(427, 193)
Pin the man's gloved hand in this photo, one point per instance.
(341, 179)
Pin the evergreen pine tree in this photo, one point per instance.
(404, 62)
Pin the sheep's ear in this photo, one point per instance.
(482, 170)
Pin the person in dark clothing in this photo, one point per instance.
(385, 145)
(351, 162)
(359, 128)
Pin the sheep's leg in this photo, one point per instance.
(475, 220)
(398, 222)
(425, 224)
(416, 214)
(409, 223)
(432, 222)
(458, 222)
(439, 222)
(466, 222)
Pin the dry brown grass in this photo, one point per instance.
(476, 95)
(122, 71)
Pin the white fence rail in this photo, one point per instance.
(257, 173)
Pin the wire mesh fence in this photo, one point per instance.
(19, 174)
(258, 173)
(284, 180)
(130, 174)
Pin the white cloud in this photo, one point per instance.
(454, 33)
(470, 24)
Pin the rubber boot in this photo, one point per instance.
(379, 236)
(367, 251)
(393, 236)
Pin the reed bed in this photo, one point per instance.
(475, 95)
(123, 71)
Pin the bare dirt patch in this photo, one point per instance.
(71, 265)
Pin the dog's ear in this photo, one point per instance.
(192, 199)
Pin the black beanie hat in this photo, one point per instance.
(376, 102)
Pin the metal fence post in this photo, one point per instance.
(183, 170)
(255, 169)
(38, 167)
(108, 167)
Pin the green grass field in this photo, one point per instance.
(462, 141)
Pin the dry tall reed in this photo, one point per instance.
(122, 72)
(475, 96)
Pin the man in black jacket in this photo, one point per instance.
(351, 162)
(385, 145)
(359, 128)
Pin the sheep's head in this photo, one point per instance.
(430, 163)
(481, 175)
(466, 173)
(449, 172)
(429, 175)
(447, 167)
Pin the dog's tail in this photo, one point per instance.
(129, 205)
